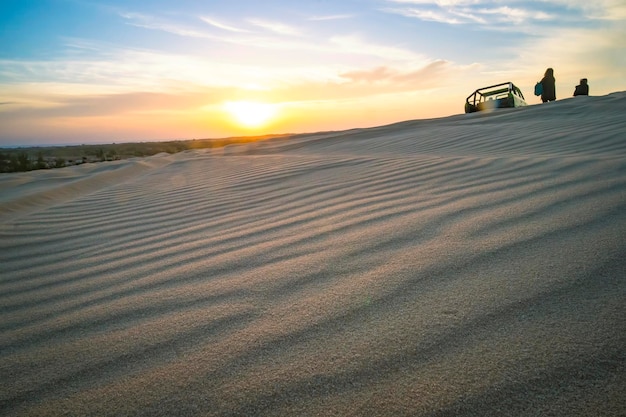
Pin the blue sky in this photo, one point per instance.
(78, 71)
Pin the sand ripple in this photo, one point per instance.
(471, 265)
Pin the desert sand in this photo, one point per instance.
(472, 265)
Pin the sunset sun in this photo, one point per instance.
(249, 113)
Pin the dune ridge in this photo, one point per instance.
(472, 265)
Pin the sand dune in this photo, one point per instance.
(473, 265)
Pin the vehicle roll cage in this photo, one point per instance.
(508, 95)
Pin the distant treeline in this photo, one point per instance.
(32, 158)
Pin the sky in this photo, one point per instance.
(95, 71)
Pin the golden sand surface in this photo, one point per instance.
(473, 265)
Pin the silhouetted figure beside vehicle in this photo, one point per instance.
(548, 86)
(582, 89)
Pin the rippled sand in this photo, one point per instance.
(473, 265)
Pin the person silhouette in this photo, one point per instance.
(582, 89)
(548, 84)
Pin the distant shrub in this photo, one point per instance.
(13, 160)
(41, 162)
(23, 162)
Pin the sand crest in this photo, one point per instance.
(472, 265)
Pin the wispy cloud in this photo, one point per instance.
(514, 15)
(151, 22)
(411, 79)
(610, 10)
(488, 14)
(424, 14)
(356, 45)
(220, 25)
(275, 27)
(230, 34)
(122, 103)
(278, 36)
(119, 69)
(441, 3)
(331, 17)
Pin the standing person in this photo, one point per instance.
(582, 89)
(548, 84)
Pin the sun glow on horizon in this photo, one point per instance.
(251, 114)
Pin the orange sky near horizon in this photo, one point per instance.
(108, 71)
